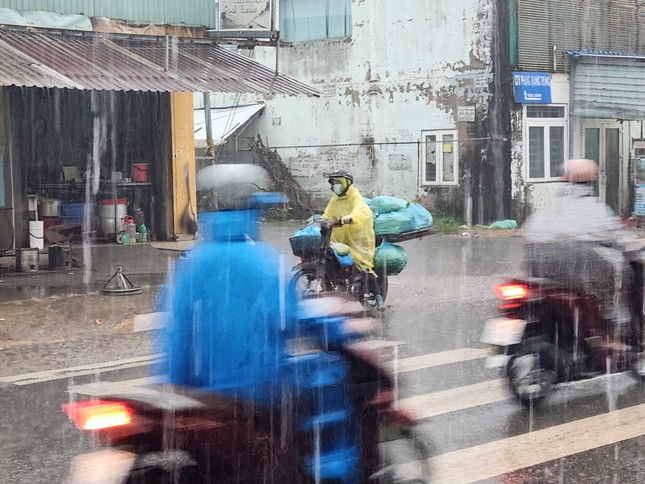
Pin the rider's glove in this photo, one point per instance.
(346, 219)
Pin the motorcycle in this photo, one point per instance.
(160, 433)
(549, 332)
(323, 269)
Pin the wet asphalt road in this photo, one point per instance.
(437, 306)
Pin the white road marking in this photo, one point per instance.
(428, 405)
(59, 374)
(533, 448)
(442, 358)
(403, 364)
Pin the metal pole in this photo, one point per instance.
(166, 54)
(209, 126)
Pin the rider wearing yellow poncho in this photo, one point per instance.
(357, 229)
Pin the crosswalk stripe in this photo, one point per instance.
(438, 359)
(430, 405)
(507, 455)
(402, 365)
(59, 374)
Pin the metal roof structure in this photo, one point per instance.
(577, 54)
(224, 122)
(81, 60)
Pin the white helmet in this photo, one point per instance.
(580, 171)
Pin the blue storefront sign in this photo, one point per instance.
(532, 87)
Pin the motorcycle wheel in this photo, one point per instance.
(309, 284)
(404, 460)
(529, 376)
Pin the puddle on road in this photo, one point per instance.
(28, 291)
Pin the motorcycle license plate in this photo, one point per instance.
(503, 331)
(109, 466)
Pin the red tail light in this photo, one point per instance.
(512, 292)
(98, 414)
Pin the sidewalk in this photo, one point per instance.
(52, 306)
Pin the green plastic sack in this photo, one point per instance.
(384, 204)
(391, 258)
(503, 224)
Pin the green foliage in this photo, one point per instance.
(445, 224)
(279, 213)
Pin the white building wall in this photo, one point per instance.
(407, 67)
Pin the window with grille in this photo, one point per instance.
(439, 157)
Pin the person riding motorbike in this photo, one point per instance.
(231, 317)
(574, 242)
(357, 229)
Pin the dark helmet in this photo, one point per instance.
(341, 174)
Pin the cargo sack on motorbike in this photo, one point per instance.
(413, 217)
(385, 204)
(305, 242)
(391, 258)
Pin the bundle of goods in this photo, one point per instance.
(390, 258)
(393, 216)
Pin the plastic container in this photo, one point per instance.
(110, 211)
(129, 227)
(139, 172)
(70, 220)
(37, 234)
(143, 234)
(72, 212)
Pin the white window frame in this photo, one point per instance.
(299, 23)
(545, 123)
(439, 133)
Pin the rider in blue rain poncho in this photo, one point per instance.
(228, 307)
(231, 313)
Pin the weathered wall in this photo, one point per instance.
(408, 67)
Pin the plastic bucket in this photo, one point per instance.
(139, 172)
(37, 234)
(111, 212)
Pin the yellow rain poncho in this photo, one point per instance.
(358, 235)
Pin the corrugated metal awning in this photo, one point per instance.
(125, 63)
(608, 85)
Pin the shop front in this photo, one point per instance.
(607, 117)
(96, 133)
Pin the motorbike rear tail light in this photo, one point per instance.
(512, 292)
(98, 414)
